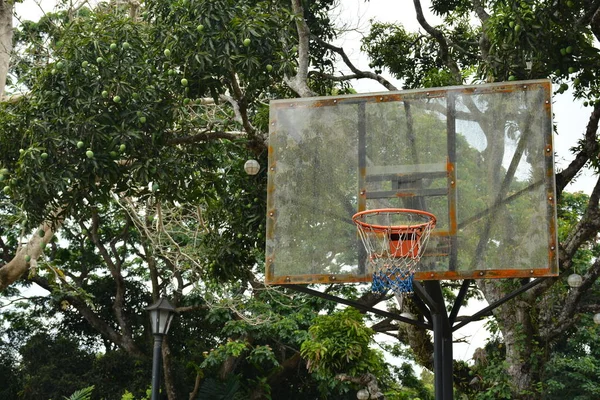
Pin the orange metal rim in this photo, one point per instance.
(394, 228)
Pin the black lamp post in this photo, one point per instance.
(161, 315)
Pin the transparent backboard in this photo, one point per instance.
(480, 158)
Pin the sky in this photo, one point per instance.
(355, 16)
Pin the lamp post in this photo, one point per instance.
(161, 315)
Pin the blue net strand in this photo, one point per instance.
(397, 281)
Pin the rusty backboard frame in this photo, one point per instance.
(479, 157)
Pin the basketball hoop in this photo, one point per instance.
(394, 239)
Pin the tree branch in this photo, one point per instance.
(590, 14)
(204, 136)
(585, 229)
(589, 149)
(357, 73)
(115, 271)
(567, 317)
(93, 319)
(441, 39)
(298, 83)
(480, 11)
(16, 267)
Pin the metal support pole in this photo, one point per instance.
(438, 353)
(447, 362)
(442, 343)
(156, 360)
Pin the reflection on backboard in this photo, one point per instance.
(480, 158)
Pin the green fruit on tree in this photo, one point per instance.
(200, 28)
(167, 53)
(585, 103)
(80, 144)
(186, 101)
(143, 120)
(569, 49)
(54, 71)
(577, 81)
(155, 187)
(4, 171)
(60, 65)
(184, 82)
(139, 113)
(89, 154)
(126, 46)
(511, 24)
(269, 67)
(122, 148)
(104, 94)
(247, 42)
(44, 155)
(170, 72)
(113, 154)
(557, 72)
(572, 69)
(99, 60)
(117, 99)
(21, 151)
(6, 189)
(85, 64)
(563, 52)
(135, 96)
(512, 78)
(27, 258)
(113, 46)
(570, 4)
(517, 28)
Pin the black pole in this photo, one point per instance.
(156, 359)
(438, 355)
(442, 342)
(447, 361)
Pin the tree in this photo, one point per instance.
(143, 186)
(128, 143)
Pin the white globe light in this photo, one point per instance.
(574, 280)
(597, 319)
(251, 167)
(362, 394)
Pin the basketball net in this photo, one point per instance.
(394, 240)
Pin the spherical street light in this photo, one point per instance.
(161, 315)
(574, 280)
(363, 394)
(251, 167)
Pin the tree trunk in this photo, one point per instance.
(519, 333)
(6, 37)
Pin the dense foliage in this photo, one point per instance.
(121, 160)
